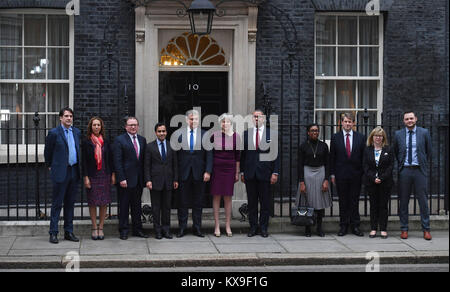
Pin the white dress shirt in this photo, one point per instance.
(350, 137)
(261, 131)
(189, 137)
(137, 142)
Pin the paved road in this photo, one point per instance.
(331, 268)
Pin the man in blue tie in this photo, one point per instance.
(412, 147)
(195, 167)
(161, 177)
(62, 149)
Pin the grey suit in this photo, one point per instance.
(423, 148)
(416, 175)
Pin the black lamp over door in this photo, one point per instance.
(201, 14)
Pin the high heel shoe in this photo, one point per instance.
(229, 234)
(94, 237)
(217, 234)
(100, 237)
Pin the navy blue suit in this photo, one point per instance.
(257, 175)
(65, 178)
(348, 173)
(191, 167)
(128, 167)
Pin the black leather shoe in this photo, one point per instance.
(140, 234)
(357, 232)
(264, 233)
(167, 235)
(342, 231)
(70, 236)
(320, 232)
(54, 238)
(308, 231)
(252, 233)
(181, 233)
(198, 233)
(158, 235)
(123, 236)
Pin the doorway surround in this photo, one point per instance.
(152, 20)
(160, 16)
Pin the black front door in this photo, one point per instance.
(181, 91)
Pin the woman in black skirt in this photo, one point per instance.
(97, 173)
(313, 169)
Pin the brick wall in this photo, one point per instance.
(100, 21)
(415, 53)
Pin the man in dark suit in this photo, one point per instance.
(161, 176)
(412, 147)
(129, 153)
(195, 167)
(346, 169)
(258, 173)
(62, 150)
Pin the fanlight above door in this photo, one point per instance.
(192, 50)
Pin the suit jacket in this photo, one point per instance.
(340, 165)
(199, 161)
(56, 153)
(88, 163)
(251, 164)
(126, 165)
(384, 168)
(160, 173)
(423, 146)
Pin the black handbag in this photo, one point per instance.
(302, 215)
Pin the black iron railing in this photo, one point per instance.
(26, 188)
(292, 134)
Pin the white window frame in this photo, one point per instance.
(70, 81)
(357, 78)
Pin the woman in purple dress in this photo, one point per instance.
(225, 170)
(97, 173)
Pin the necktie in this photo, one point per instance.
(163, 151)
(72, 150)
(410, 148)
(257, 139)
(136, 147)
(191, 142)
(347, 146)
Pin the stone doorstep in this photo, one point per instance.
(277, 225)
(241, 259)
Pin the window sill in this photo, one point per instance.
(20, 154)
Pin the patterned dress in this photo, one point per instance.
(100, 192)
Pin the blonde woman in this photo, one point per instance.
(378, 163)
(226, 160)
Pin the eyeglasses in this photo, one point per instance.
(312, 130)
(132, 125)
